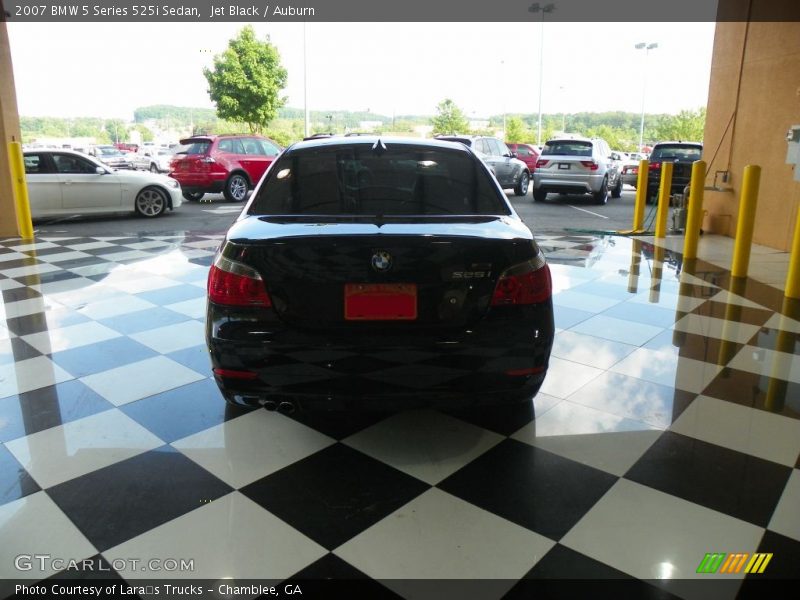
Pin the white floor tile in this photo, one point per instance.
(749, 430)
(142, 379)
(30, 374)
(252, 446)
(565, 377)
(172, 337)
(72, 336)
(426, 444)
(144, 284)
(786, 518)
(113, 307)
(249, 543)
(35, 525)
(439, 536)
(617, 330)
(580, 301)
(37, 269)
(62, 256)
(589, 350)
(667, 368)
(67, 451)
(30, 306)
(768, 363)
(194, 308)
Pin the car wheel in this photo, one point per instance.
(617, 191)
(193, 196)
(236, 188)
(151, 202)
(154, 168)
(522, 185)
(539, 195)
(601, 195)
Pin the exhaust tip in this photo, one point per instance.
(270, 405)
(286, 408)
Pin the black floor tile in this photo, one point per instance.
(20, 293)
(44, 321)
(503, 419)
(143, 320)
(335, 494)
(339, 424)
(730, 482)
(18, 350)
(171, 295)
(756, 391)
(15, 482)
(738, 313)
(116, 503)
(102, 356)
(37, 410)
(530, 486)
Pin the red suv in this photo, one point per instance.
(526, 153)
(231, 164)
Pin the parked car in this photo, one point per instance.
(378, 272)
(527, 153)
(682, 155)
(65, 182)
(575, 165)
(112, 156)
(510, 172)
(231, 164)
(153, 158)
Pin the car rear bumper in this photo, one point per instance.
(576, 184)
(498, 361)
(209, 183)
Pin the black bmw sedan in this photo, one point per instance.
(369, 272)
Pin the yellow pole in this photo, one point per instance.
(641, 196)
(793, 279)
(663, 199)
(659, 253)
(633, 272)
(746, 221)
(17, 163)
(694, 210)
(778, 388)
(733, 314)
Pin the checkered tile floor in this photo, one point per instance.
(668, 427)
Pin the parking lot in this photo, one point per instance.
(214, 214)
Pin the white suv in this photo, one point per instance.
(577, 165)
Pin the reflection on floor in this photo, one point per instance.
(668, 428)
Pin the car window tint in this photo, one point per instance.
(358, 181)
(196, 148)
(523, 151)
(677, 152)
(568, 148)
(72, 164)
(268, 148)
(34, 163)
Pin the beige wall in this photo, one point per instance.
(9, 131)
(754, 93)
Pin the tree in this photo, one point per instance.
(687, 125)
(246, 81)
(449, 118)
(515, 131)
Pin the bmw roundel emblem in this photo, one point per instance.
(381, 261)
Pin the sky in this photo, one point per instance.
(107, 70)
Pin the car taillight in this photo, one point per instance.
(231, 283)
(590, 164)
(526, 283)
(542, 162)
(656, 166)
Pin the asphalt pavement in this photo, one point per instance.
(559, 213)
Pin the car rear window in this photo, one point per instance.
(677, 151)
(358, 180)
(568, 148)
(199, 147)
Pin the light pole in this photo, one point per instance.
(646, 47)
(535, 8)
(502, 80)
(563, 112)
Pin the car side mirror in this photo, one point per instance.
(512, 155)
(100, 170)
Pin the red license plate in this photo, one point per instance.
(380, 301)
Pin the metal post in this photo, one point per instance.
(746, 221)
(633, 271)
(793, 279)
(663, 199)
(695, 210)
(641, 195)
(23, 205)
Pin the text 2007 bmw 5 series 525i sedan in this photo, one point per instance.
(369, 272)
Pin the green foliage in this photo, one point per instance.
(147, 135)
(687, 125)
(246, 81)
(516, 132)
(117, 130)
(173, 115)
(449, 118)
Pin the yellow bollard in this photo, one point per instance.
(659, 253)
(694, 210)
(633, 271)
(663, 199)
(793, 279)
(17, 163)
(746, 221)
(778, 388)
(641, 196)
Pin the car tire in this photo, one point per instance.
(151, 202)
(617, 191)
(236, 188)
(154, 168)
(601, 195)
(521, 188)
(539, 195)
(193, 196)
